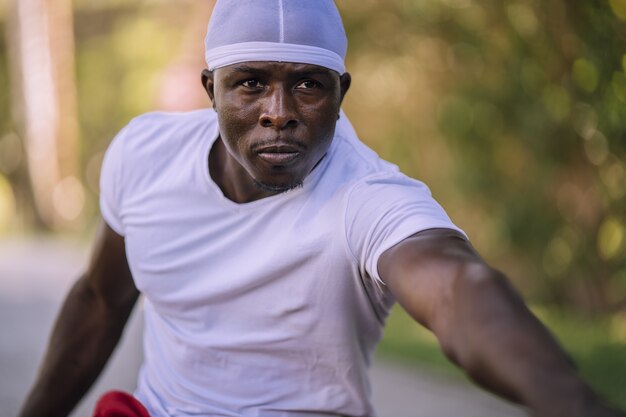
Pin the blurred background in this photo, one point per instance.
(513, 112)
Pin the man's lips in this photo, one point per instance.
(279, 154)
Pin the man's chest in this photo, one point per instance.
(187, 252)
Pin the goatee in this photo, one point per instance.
(277, 188)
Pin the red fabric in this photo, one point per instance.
(119, 404)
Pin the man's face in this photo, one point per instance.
(277, 120)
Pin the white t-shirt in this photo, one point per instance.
(271, 308)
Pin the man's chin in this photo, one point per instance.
(277, 188)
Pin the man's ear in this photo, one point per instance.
(345, 80)
(208, 84)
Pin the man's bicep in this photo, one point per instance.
(108, 273)
(421, 272)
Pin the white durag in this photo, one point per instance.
(300, 31)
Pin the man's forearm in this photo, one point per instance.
(85, 333)
(484, 326)
(504, 348)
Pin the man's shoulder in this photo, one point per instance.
(353, 162)
(157, 121)
(153, 141)
(155, 130)
(367, 175)
(354, 156)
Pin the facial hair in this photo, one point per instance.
(281, 188)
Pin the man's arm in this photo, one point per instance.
(483, 325)
(86, 331)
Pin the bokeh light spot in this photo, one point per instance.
(7, 204)
(68, 198)
(523, 19)
(610, 238)
(597, 148)
(613, 177)
(557, 102)
(557, 257)
(585, 75)
(618, 83)
(584, 120)
(619, 8)
(618, 327)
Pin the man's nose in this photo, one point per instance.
(279, 110)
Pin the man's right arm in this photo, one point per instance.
(86, 331)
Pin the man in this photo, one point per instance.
(270, 243)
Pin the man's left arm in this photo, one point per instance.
(484, 326)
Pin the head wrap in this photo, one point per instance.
(301, 31)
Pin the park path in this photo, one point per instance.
(35, 273)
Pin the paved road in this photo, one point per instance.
(36, 273)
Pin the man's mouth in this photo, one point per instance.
(279, 154)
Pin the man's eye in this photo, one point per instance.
(252, 84)
(307, 84)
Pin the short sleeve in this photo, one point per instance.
(383, 210)
(111, 181)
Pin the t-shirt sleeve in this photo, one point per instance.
(111, 181)
(383, 210)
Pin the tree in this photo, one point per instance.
(40, 35)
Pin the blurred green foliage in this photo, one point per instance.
(515, 113)
(121, 47)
